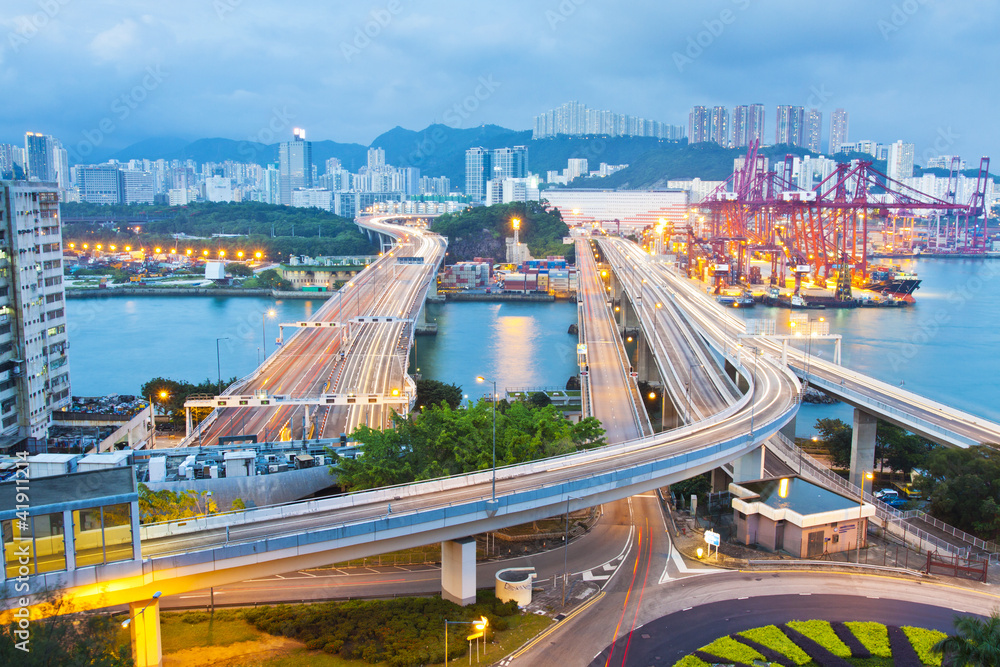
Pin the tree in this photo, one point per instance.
(976, 642)
(835, 435)
(440, 441)
(73, 640)
(540, 399)
(167, 505)
(964, 487)
(432, 392)
(239, 269)
(900, 450)
(272, 279)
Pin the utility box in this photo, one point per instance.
(240, 463)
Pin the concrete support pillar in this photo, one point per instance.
(788, 430)
(136, 541)
(458, 571)
(740, 381)
(670, 418)
(749, 467)
(720, 480)
(187, 422)
(648, 372)
(862, 445)
(144, 626)
(629, 318)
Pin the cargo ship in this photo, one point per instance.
(892, 281)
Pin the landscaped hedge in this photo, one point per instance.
(873, 636)
(875, 645)
(775, 639)
(922, 640)
(731, 650)
(821, 633)
(401, 632)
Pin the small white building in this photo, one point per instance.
(104, 461)
(240, 463)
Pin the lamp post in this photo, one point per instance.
(861, 505)
(127, 621)
(480, 625)
(152, 414)
(218, 361)
(480, 378)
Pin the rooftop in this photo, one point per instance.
(797, 495)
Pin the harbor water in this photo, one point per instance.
(943, 347)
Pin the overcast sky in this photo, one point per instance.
(114, 72)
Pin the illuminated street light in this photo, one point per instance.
(480, 378)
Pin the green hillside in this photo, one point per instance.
(480, 231)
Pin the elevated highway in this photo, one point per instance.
(364, 352)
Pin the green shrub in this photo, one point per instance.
(691, 661)
(922, 640)
(873, 635)
(731, 650)
(772, 637)
(194, 617)
(821, 633)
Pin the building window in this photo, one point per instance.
(103, 534)
(39, 545)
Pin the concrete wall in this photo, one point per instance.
(283, 487)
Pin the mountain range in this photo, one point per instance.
(439, 150)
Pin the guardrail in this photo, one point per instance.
(893, 519)
(616, 477)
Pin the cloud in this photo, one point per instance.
(229, 70)
(115, 43)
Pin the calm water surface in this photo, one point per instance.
(944, 347)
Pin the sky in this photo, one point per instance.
(102, 74)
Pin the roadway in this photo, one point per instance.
(930, 419)
(311, 362)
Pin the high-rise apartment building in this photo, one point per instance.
(100, 184)
(575, 119)
(34, 368)
(138, 186)
(719, 132)
(376, 158)
(812, 132)
(40, 152)
(748, 125)
(9, 156)
(838, 131)
(478, 170)
(295, 165)
(899, 162)
(699, 125)
(510, 162)
(788, 126)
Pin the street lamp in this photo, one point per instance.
(480, 378)
(480, 626)
(263, 328)
(861, 505)
(152, 414)
(127, 621)
(218, 361)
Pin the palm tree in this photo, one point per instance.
(976, 642)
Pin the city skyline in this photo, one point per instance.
(236, 70)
